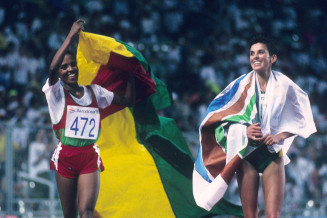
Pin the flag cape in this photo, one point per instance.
(148, 166)
(223, 130)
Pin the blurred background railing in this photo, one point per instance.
(28, 187)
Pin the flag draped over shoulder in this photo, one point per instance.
(223, 130)
(148, 166)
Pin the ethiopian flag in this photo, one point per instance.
(148, 166)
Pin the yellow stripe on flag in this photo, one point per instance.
(87, 69)
(101, 46)
(130, 184)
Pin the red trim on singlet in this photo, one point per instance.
(70, 101)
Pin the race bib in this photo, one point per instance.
(82, 122)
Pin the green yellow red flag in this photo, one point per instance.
(148, 166)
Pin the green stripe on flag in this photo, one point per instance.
(174, 161)
(220, 136)
(137, 55)
(246, 116)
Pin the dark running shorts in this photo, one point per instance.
(71, 161)
(261, 158)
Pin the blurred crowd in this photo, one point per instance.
(195, 46)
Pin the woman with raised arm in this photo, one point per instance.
(74, 112)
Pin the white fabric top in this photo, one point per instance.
(296, 115)
(287, 109)
(56, 101)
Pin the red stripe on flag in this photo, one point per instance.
(113, 78)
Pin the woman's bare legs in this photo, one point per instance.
(67, 189)
(86, 187)
(273, 184)
(248, 183)
(88, 191)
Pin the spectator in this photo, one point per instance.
(39, 155)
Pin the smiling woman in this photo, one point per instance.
(262, 60)
(68, 67)
(68, 73)
(74, 111)
(248, 129)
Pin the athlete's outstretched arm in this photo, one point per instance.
(128, 99)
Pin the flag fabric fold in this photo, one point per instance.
(148, 166)
(223, 130)
(108, 66)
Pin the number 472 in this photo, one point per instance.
(89, 124)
